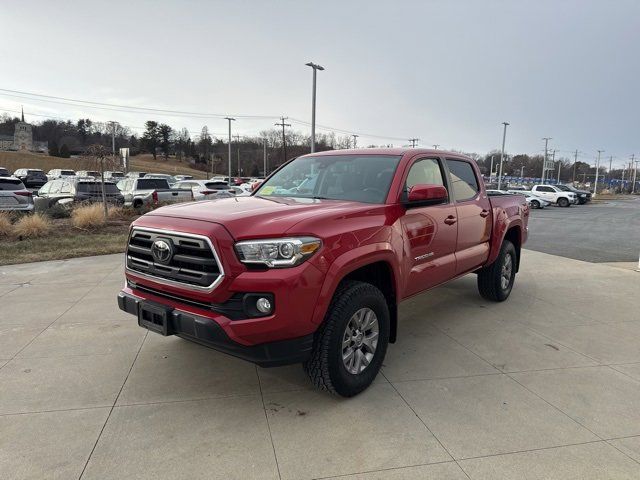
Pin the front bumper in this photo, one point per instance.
(208, 332)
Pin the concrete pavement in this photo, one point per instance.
(545, 385)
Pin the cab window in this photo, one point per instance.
(463, 180)
(425, 171)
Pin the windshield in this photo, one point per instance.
(358, 178)
(564, 188)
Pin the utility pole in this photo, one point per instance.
(504, 138)
(491, 169)
(435, 146)
(575, 161)
(230, 119)
(355, 140)
(595, 186)
(609, 172)
(544, 162)
(264, 157)
(284, 138)
(313, 104)
(559, 165)
(414, 142)
(522, 174)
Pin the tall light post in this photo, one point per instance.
(595, 186)
(264, 156)
(491, 170)
(544, 161)
(504, 138)
(315, 68)
(230, 119)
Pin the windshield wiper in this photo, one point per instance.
(321, 198)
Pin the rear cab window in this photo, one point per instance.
(152, 184)
(464, 183)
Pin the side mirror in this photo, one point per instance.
(425, 194)
(255, 186)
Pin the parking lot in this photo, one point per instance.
(603, 231)
(545, 385)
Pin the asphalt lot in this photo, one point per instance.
(596, 232)
(545, 385)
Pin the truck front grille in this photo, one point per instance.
(191, 262)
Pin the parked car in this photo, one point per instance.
(88, 174)
(243, 190)
(169, 178)
(583, 196)
(136, 174)
(65, 191)
(114, 176)
(316, 278)
(554, 195)
(4, 172)
(60, 173)
(205, 190)
(183, 177)
(14, 195)
(31, 177)
(147, 190)
(533, 200)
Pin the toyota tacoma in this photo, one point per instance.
(312, 266)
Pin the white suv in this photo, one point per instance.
(553, 194)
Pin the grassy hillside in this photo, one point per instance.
(145, 163)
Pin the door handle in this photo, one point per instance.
(450, 220)
(484, 213)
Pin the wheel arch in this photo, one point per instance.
(374, 264)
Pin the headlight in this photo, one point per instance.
(278, 252)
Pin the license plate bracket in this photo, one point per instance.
(155, 317)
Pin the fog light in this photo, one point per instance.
(263, 305)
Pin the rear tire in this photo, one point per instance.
(350, 345)
(495, 281)
(563, 202)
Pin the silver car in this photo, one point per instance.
(14, 195)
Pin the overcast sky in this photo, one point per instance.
(447, 72)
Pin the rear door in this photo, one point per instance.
(430, 231)
(473, 215)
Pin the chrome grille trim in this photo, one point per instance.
(131, 257)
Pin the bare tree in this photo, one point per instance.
(100, 158)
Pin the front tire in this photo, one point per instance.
(351, 344)
(496, 280)
(563, 202)
(535, 204)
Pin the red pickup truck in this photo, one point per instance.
(311, 267)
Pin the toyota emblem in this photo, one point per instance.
(161, 251)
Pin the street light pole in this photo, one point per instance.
(504, 138)
(230, 119)
(634, 163)
(491, 170)
(315, 68)
(544, 162)
(595, 186)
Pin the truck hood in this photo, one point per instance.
(255, 217)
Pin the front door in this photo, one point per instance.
(430, 232)
(473, 211)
